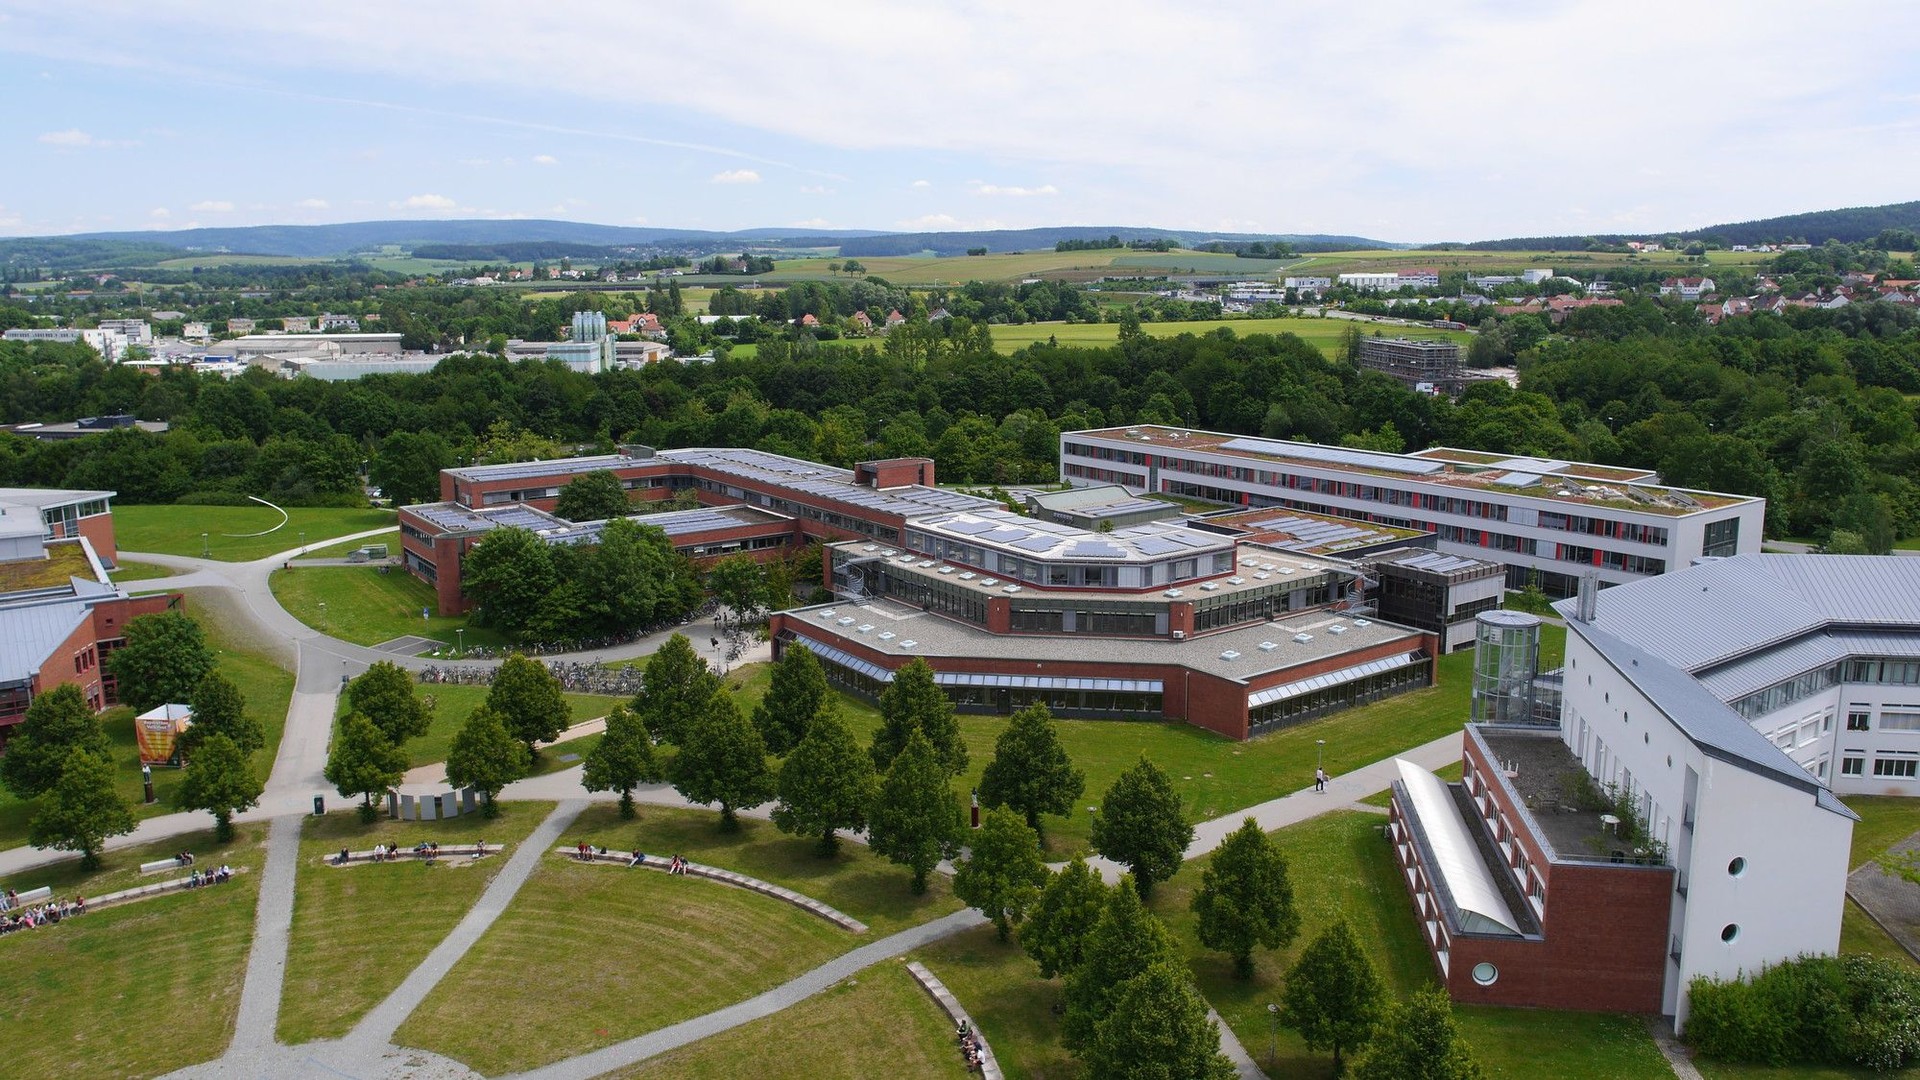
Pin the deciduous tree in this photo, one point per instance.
(1142, 826)
(486, 757)
(675, 686)
(593, 496)
(622, 760)
(914, 702)
(1030, 770)
(1333, 996)
(722, 760)
(362, 762)
(510, 575)
(1055, 933)
(164, 658)
(220, 781)
(57, 723)
(827, 783)
(529, 701)
(916, 818)
(407, 466)
(82, 809)
(1245, 899)
(1002, 873)
(739, 583)
(1419, 1040)
(220, 709)
(1158, 1028)
(794, 696)
(384, 694)
(1125, 941)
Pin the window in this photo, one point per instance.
(1737, 867)
(1858, 719)
(1485, 974)
(1900, 718)
(1902, 768)
(1722, 538)
(1730, 933)
(1850, 766)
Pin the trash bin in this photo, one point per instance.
(319, 805)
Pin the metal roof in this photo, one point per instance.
(1738, 678)
(1469, 881)
(1336, 455)
(1333, 678)
(1052, 540)
(528, 470)
(30, 632)
(42, 498)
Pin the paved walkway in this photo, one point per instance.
(272, 925)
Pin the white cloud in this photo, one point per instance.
(8, 219)
(815, 189)
(69, 137)
(736, 176)
(922, 183)
(426, 202)
(159, 213)
(545, 159)
(212, 206)
(312, 204)
(1014, 192)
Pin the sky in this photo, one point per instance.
(1406, 122)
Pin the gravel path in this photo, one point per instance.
(272, 923)
(652, 1044)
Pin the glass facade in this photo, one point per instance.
(1506, 657)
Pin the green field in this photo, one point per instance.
(1323, 334)
(345, 548)
(362, 605)
(179, 530)
(587, 956)
(137, 990)
(455, 702)
(1324, 264)
(137, 571)
(928, 270)
(340, 961)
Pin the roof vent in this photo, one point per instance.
(924, 563)
(1210, 585)
(1363, 622)
(1261, 576)
(968, 576)
(865, 628)
(1236, 581)
(871, 547)
(908, 643)
(988, 583)
(1230, 654)
(1268, 646)
(848, 621)
(946, 569)
(1172, 593)
(828, 614)
(1336, 629)
(1303, 637)
(1286, 569)
(886, 635)
(1011, 589)
(889, 553)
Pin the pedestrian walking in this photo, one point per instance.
(1319, 779)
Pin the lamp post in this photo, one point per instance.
(205, 551)
(1273, 1035)
(460, 640)
(1319, 755)
(146, 780)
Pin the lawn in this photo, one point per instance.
(1323, 334)
(137, 990)
(587, 956)
(879, 1024)
(453, 703)
(267, 687)
(179, 530)
(1214, 775)
(138, 571)
(1885, 820)
(358, 931)
(344, 548)
(362, 605)
(855, 881)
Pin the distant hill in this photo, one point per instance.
(1849, 226)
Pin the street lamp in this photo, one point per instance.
(460, 639)
(1273, 1035)
(205, 551)
(1319, 754)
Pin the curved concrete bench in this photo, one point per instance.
(989, 1065)
(158, 888)
(161, 866)
(727, 877)
(450, 853)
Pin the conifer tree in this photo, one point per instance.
(914, 702)
(1158, 1028)
(1333, 996)
(1125, 941)
(1056, 929)
(794, 696)
(622, 760)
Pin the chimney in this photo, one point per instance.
(1589, 597)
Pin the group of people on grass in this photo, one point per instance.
(970, 1045)
(217, 877)
(426, 849)
(14, 916)
(675, 865)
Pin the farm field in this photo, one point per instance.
(925, 270)
(1323, 334)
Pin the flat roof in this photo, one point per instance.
(1052, 541)
(43, 498)
(1255, 568)
(825, 481)
(1257, 650)
(453, 518)
(528, 470)
(64, 561)
(1314, 534)
(1553, 481)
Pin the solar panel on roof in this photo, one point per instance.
(1531, 464)
(1038, 543)
(1006, 536)
(1094, 549)
(1157, 545)
(1334, 455)
(1518, 479)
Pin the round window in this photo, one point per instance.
(1737, 867)
(1485, 974)
(1730, 933)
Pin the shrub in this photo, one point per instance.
(1854, 1010)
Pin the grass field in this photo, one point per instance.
(267, 687)
(1323, 334)
(879, 1024)
(926, 270)
(357, 931)
(345, 548)
(1214, 775)
(586, 956)
(1885, 820)
(137, 990)
(367, 607)
(454, 703)
(177, 530)
(1488, 262)
(856, 881)
(138, 571)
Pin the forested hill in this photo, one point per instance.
(1850, 226)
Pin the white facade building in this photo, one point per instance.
(1371, 282)
(1729, 699)
(1550, 520)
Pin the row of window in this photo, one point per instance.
(1112, 704)
(1302, 707)
(1895, 766)
(1868, 672)
(1106, 476)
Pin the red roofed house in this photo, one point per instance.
(1691, 288)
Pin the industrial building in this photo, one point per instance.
(1424, 365)
(1546, 521)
